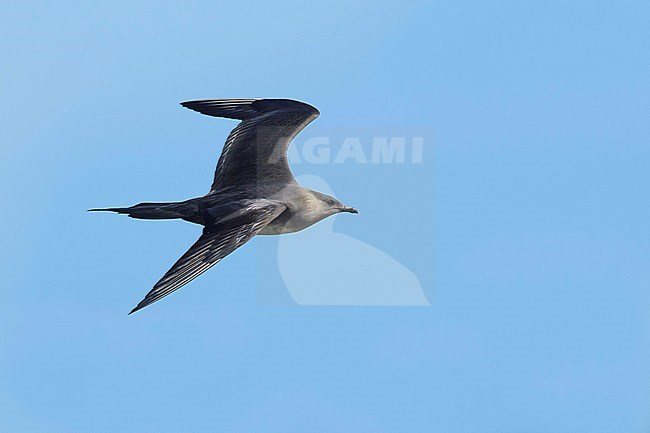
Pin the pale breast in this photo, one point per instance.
(303, 210)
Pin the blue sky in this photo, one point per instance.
(527, 223)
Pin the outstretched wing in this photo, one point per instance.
(256, 150)
(229, 232)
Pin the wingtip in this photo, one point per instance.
(189, 104)
(140, 306)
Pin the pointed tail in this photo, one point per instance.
(149, 211)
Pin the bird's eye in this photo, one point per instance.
(329, 201)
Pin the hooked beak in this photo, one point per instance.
(348, 209)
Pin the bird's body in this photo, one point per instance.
(253, 191)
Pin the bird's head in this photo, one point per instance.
(328, 205)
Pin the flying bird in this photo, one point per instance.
(253, 192)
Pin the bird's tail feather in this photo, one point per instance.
(149, 211)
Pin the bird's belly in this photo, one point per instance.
(274, 231)
(286, 222)
(279, 228)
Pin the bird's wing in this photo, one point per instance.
(230, 231)
(256, 150)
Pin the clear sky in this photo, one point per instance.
(526, 223)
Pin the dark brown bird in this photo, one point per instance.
(253, 192)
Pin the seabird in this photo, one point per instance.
(253, 192)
